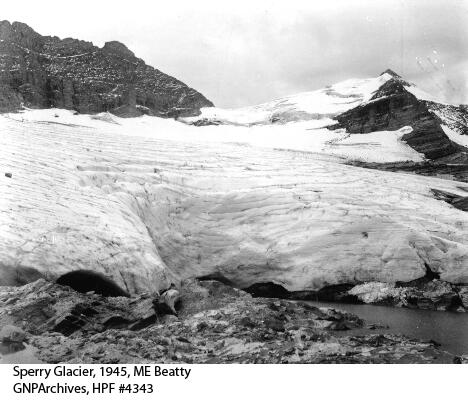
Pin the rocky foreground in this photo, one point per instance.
(214, 324)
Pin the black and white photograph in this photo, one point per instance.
(266, 182)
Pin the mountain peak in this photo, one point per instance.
(17, 27)
(45, 71)
(391, 72)
(118, 48)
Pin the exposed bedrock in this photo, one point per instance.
(429, 295)
(460, 202)
(393, 107)
(43, 71)
(453, 116)
(439, 168)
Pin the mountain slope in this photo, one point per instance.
(392, 107)
(322, 105)
(363, 106)
(42, 71)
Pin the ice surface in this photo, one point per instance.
(148, 200)
(384, 146)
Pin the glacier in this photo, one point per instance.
(150, 201)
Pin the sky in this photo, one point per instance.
(241, 53)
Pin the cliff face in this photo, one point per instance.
(393, 107)
(42, 71)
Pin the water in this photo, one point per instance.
(18, 353)
(450, 329)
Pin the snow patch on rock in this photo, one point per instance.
(455, 136)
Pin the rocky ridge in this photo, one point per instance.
(393, 107)
(43, 71)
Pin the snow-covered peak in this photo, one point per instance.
(391, 72)
(412, 88)
(322, 104)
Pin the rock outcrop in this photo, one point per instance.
(422, 293)
(455, 117)
(393, 107)
(11, 334)
(439, 168)
(427, 295)
(43, 71)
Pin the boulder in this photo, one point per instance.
(425, 294)
(463, 295)
(438, 295)
(167, 302)
(375, 292)
(12, 334)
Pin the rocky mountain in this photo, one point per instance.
(392, 107)
(362, 106)
(42, 71)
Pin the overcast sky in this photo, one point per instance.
(245, 52)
